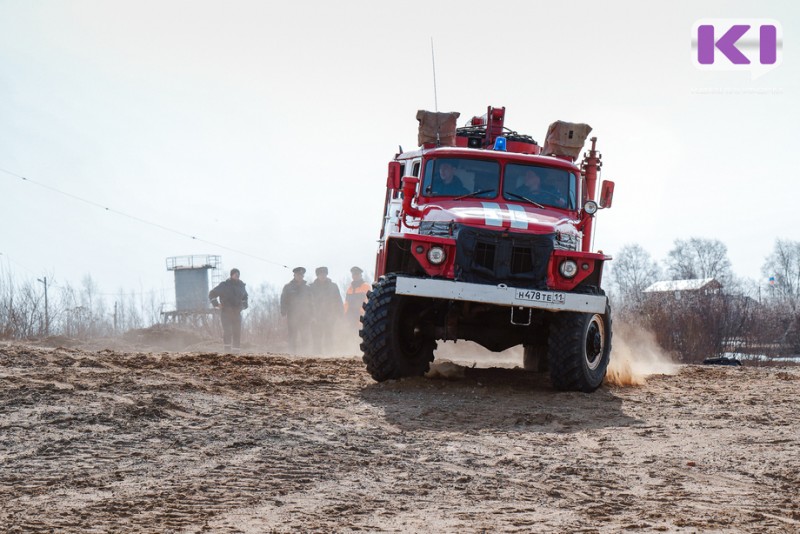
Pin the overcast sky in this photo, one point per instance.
(267, 127)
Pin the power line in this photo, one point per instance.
(139, 219)
(7, 257)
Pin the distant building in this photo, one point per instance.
(679, 288)
(192, 277)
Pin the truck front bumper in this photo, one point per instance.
(501, 295)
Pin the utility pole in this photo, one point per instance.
(46, 312)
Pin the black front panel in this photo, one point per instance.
(502, 257)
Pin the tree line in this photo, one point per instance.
(79, 312)
(745, 318)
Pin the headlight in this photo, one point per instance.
(590, 207)
(436, 255)
(568, 268)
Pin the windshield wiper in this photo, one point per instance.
(475, 194)
(526, 199)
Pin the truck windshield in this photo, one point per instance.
(456, 177)
(546, 186)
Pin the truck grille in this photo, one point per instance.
(521, 260)
(497, 257)
(484, 255)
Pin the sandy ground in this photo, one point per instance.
(101, 440)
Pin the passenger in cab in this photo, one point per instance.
(531, 188)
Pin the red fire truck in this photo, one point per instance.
(487, 237)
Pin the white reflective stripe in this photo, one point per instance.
(492, 214)
(500, 295)
(519, 219)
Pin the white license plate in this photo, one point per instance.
(532, 295)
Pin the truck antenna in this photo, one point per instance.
(433, 62)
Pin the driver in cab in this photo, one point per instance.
(447, 183)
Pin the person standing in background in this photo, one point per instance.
(230, 296)
(297, 307)
(327, 310)
(355, 298)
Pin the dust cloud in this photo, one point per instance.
(471, 354)
(635, 354)
(446, 369)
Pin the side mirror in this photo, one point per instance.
(606, 193)
(393, 179)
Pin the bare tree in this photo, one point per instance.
(698, 325)
(784, 265)
(129, 316)
(632, 271)
(21, 308)
(91, 318)
(152, 309)
(699, 258)
(263, 324)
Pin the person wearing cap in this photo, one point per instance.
(297, 307)
(355, 298)
(327, 310)
(230, 297)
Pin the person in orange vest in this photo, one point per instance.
(355, 297)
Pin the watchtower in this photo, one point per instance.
(192, 277)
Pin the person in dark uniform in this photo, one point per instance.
(327, 310)
(355, 298)
(297, 307)
(532, 188)
(447, 183)
(230, 296)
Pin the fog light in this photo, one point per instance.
(568, 268)
(420, 249)
(590, 207)
(436, 255)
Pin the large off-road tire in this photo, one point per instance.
(393, 336)
(579, 349)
